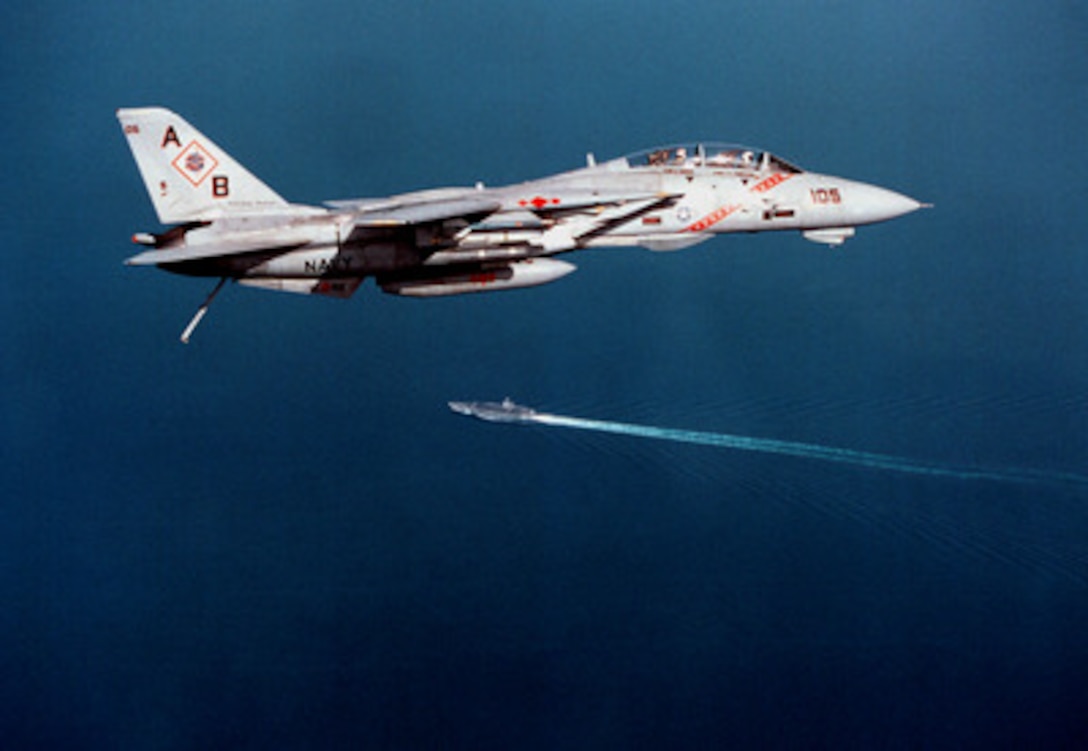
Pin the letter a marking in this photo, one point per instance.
(171, 136)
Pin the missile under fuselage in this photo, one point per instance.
(504, 411)
(526, 272)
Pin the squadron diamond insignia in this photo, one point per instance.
(195, 163)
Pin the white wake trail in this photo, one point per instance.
(812, 451)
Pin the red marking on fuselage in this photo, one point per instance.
(712, 218)
(776, 179)
(539, 202)
(719, 214)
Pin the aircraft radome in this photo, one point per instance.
(228, 224)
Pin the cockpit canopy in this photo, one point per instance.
(712, 155)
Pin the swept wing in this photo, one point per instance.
(424, 213)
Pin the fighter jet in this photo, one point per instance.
(227, 224)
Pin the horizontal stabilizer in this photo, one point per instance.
(215, 250)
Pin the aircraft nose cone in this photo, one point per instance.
(875, 204)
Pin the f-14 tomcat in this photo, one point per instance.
(448, 241)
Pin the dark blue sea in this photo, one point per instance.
(279, 536)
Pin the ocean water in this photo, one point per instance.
(279, 536)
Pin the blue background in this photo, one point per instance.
(279, 536)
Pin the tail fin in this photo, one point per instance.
(188, 177)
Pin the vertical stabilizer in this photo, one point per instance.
(188, 177)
